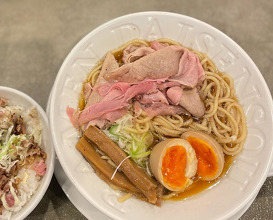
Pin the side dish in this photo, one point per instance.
(22, 160)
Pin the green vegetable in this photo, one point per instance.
(139, 147)
(135, 145)
(10, 148)
(113, 130)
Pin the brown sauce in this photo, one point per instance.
(81, 102)
(118, 55)
(199, 185)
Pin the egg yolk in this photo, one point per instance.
(173, 166)
(207, 159)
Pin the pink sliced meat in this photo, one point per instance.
(114, 94)
(191, 101)
(165, 85)
(131, 48)
(40, 167)
(190, 71)
(109, 64)
(175, 62)
(73, 116)
(97, 110)
(99, 122)
(110, 116)
(159, 108)
(174, 94)
(156, 45)
(104, 89)
(136, 54)
(151, 98)
(114, 115)
(152, 77)
(143, 87)
(101, 108)
(10, 199)
(160, 64)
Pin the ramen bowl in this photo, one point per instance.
(249, 170)
(19, 98)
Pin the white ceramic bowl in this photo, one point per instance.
(250, 169)
(87, 209)
(19, 98)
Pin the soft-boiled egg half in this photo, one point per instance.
(173, 162)
(208, 152)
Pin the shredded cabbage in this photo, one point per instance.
(10, 148)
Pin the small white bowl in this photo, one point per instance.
(16, 97)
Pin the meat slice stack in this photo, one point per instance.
(147, 74)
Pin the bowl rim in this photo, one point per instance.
(46, 180)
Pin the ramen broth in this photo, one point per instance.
(199, 185)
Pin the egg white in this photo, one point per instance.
(215, 146)
(159, 152)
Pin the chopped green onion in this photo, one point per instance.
(135, 145)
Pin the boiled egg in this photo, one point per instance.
(208, 152)
(173, 162)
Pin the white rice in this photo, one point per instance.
(27, 187)
(29, 181)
